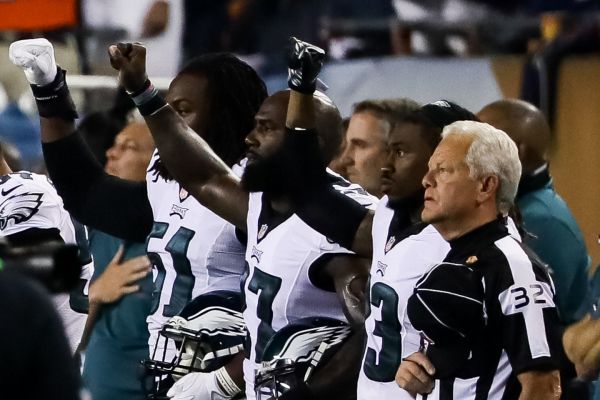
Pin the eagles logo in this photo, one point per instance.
(19, 208)
(302, 345)
(218, 321)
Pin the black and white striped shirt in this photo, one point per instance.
(521, 331)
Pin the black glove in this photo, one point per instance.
(304, 64)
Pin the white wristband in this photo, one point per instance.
(226, 383)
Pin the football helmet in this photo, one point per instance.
(207, 334)
(295, 352)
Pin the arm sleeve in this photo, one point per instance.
(115, 206)
(318, 204)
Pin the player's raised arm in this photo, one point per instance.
(96, 199)
(323, 208)
(55, 106)
(188, 157)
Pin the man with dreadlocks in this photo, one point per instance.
(189, 247)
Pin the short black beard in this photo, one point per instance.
(266, 175)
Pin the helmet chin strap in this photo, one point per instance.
(315, 359)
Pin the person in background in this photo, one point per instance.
(553, 232)
(582, 339)
(100, 128)
(120, 294)
(337, 164)
(157, 23)
(366, 136)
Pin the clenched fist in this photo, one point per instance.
(36, 58)
(130, 60)
(304, 64)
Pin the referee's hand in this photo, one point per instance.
(415, 374)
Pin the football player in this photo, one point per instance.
(31, 212)
(293, 271)
(216, 96)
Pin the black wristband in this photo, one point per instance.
(145, 86)
(54, 99)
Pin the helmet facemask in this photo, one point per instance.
(207, 334)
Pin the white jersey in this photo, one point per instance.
(28, 201)
(278, 289)
(186, 242)
(400, 258)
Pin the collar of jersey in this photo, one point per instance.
(481, 237)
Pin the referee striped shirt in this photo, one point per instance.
(522, 329)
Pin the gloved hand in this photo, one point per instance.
(304, 64)
(36, 58)
(197, 386)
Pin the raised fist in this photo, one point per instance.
(36, 58)
(304, 64)
(130, 60)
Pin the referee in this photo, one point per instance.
(502, 341)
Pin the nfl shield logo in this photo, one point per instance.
(262, 231)
(183, 194)
(390, 243)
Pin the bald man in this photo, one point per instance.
(554, 234)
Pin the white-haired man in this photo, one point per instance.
(507, 348)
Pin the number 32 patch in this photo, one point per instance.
(519, 298)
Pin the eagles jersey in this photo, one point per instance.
(522, 331)
(29, 201)
(280, 253)
(179, 248)
(402, 253)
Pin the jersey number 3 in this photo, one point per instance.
(382, 367)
